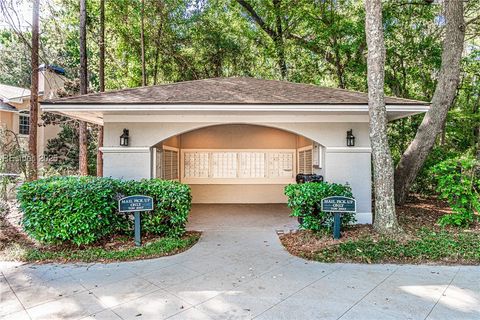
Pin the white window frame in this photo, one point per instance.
(238, 180)
(25, 114)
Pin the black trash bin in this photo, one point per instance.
(307, 177)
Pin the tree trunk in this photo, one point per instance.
(278, 39)
(476, 130)
(142, 44)
(82, 157)
(448, 79)
(338, 65)
(32, 138)
(158, 41)
(101, 76)
(385, 217)
(276, 34)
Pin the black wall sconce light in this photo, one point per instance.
(350, 138)
(124, 138)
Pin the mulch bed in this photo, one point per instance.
(418, 213)
(10, 230)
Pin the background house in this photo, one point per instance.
(15, 107)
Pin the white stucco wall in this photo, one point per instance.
(342, 164)
(128, 164)
(144, 134)
(352, 167)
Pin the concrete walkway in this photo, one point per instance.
(238, 270)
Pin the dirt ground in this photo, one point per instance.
(11, 232)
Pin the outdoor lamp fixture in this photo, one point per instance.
(350, 138)
(124, 138)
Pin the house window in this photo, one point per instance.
(305, 164)
(24, 122)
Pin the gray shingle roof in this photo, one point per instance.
(7, 107)
(233, 90)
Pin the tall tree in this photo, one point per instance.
(142, 43)
(385, 217)
(32, 139)
(101, 78)
(433, 122)
(82, 158)
(276, 33)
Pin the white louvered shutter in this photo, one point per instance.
(159, 163)
(170, 164)
(305, 161)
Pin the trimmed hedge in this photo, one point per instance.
(82, 210)
(305, 201)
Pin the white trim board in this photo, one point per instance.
(348, 150)
(228, 107)
(125, 149)
(236, 118)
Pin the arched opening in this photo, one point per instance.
(237, 163)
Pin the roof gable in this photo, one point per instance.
(233, 90)
(12, 93)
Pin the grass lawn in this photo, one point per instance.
(422, 242)
(121, 248)
(118, 249)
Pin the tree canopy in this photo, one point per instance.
(309, 41)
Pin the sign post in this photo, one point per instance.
(337, 206)
(136, 204)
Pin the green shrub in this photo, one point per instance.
(425, 183)
(172, 202)
(305, 202)
(82, 210)
(458, 181)
(76, 209)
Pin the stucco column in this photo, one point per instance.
(353, 166)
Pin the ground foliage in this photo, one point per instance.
(118, 248)
(459, 184)
(424, 241)
(305, 200)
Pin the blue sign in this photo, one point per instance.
(135, 204)
(339, 204)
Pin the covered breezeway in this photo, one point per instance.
(241, 217)
(237, 163)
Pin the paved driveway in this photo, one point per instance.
(238, 270)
